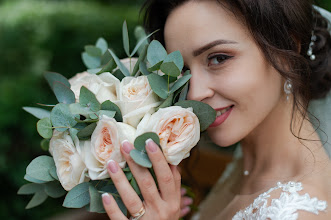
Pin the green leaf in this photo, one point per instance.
(120, 65)
(155, 67)
(44, 144)
(33, 180)
(44, 128)
(143, 69)
(110, 189)
(126, 169)
(110, 106)
(39, 168)
(87, 131)
(91, 62)
(125, 36)
(204, 112)
(121, 205)
(63, 93)
(95, 200)
(94, 116)
(156, 53)
(170, 78)
(30, 188)
(176, 58)
(108, 67)
(52, 77)
(142, 41)
(128, 175)
(54, 189)
(87, 98)
(102, 44)
(170, 69)
(158, 85)
(94, 71)
(61, 117)
(37, 199)
(135, 186)
(110, 114)
(106, 57)
(140, 59)
(180, 82)
(140, 141)
(78, 197)
(167, 102)
(78, 109)
(118, 74)
(38, 112)
(140, 158)
(93, 51)
(53, 173)
(183, 93)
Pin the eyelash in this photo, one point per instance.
(223, 58)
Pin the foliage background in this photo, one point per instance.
(46, 35)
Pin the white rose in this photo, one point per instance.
(70, 167)
(105, 86)
(136, 98)
(178, 129)
(105, 145)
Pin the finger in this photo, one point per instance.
(182, 191)
(184, 211)
(143, 177)
(130, 198)
(111, 207)
(177, 177)
(185, 201)
(164, 174)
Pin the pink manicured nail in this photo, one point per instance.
(126, 146)
(188, 201)
(106, 198)
(185, 211)
(182, 191)
(150, 146)
(112, 166)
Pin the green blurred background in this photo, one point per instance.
(46, 35)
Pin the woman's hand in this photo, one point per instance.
(185, 202)
(162, 204)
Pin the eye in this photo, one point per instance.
(217, 59)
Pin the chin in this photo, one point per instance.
(222, 140)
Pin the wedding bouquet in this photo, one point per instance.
(131, 99)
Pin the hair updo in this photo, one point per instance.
(282, 30)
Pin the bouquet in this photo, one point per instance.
(131, 99)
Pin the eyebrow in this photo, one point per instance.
(211, 45)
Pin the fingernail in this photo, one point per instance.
(185, 210)
(106, 198)
(182, 191)
(126, 146)
(188, 201)
(112, 166)
(150, 146)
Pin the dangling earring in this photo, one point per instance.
(287, 88)
(311, 44)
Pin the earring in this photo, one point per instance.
(287, 88)
(311, 44)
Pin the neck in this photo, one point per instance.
(273, 153)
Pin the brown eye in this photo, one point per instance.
(217, 59)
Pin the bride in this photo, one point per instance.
(259, 64)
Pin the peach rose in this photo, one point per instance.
(178, 129)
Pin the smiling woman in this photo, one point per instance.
(258, 64)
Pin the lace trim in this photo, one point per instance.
(285, 207)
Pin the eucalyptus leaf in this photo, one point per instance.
(167, 102)
(53, 173)
(106, 57)
(93, 116)
(33, 180)
(109, 189)
(143, 68)
(204, 112)
(78, 197)
(170, 68)
(143, 40)
(169, 79)
(140, 59)
(39, 168)
(38, 198)
(94, 71)
(88, 99)
(135, 186)
(183, 93)
(128, 175)
(93, 51)
(102, 44)
(118, 74)
(108, 67)
(54, 189)
(44, 128)
(140, 158)
(95, 200)
(121, 205)
(63, 93)
(44, 144)
(61, 117)
(125, 36)
(140, 141)
(38, 112)
(110, 106)
(126, 169)
(176, 58)
(155, 67)
(109, 114)
(158, 85)
(52, 77)
(91, 62)
(87, 131)
(78, 109)
(156, 53)
(180, 82)
(30, 188)
(120, 65)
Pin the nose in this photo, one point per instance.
(199, 86)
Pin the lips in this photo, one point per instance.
(221, 115)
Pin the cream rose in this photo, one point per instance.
(178, 129)
(105, 145)
(70, 167)
(136, 98)
(105, 86)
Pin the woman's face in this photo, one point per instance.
(228, 69)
